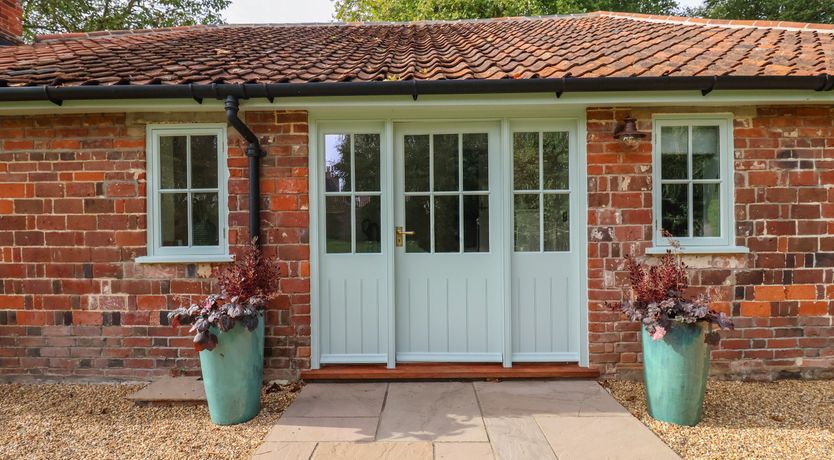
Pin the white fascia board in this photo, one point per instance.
(576, 100)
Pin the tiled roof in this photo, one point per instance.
(598, 44)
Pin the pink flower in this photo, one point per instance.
(659, 332)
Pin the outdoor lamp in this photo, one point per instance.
(626, 132)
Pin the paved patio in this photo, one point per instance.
(567, 419)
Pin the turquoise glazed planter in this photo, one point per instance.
(675, 373)
(233, 374)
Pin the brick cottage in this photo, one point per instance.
(435, 192)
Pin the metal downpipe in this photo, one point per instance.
(254, 153)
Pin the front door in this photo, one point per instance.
(455, 242)
(448, 242)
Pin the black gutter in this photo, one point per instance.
(254, 152)
(414, 88)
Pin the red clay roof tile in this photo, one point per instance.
(601, 44)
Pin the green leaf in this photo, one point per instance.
(416, 10)
(60, 16)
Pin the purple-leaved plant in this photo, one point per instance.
(245, 287)
(656, 297)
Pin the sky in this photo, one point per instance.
(280, 11)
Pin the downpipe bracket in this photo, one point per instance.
(255, 151)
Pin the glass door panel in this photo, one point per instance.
(541, 191)
(352, 193)
(446, 192)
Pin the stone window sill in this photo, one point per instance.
(184, 259)
(706, 250)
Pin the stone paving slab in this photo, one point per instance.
(463, 451)
(460, 420)
(373, 451)
(339, 400)
(431, 411)
(323, 429)
(172, 390)
(517, 438)
(284, 451)
(528, 398)
(521, 398)
(612, 438)
(602, 405)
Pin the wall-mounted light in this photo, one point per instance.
(626, 132)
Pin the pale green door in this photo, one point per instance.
(447, 197)
(352, 272)
(547, 253)
(491, 257)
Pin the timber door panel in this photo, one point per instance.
(448, 268)
(353, 280)
(545, 253)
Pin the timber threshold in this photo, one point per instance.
(448, 371)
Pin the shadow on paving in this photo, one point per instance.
(512, 419)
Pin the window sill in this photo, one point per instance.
(182, 259)
(706, 250)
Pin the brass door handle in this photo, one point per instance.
(401, 234)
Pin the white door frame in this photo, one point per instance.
(387, 143)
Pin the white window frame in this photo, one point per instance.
(726, 241)
(161, 254)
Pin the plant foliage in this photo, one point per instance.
(417, 10)
(657, 298)
(245, 288)
(819, 11)
(252, 275)
(59, 16)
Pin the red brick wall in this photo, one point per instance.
(72, 220)
(781, 293)
(11, 19)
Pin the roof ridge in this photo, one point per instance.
(51, 38)
(728, 23)
(664, 19)
(46, 38)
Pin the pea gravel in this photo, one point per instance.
(57, 421)
(786, 419)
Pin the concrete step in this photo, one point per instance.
(171, 390)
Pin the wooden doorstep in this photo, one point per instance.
(445, 371)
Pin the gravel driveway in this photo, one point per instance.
(782, 420)
(787, 419)
(96, 422)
